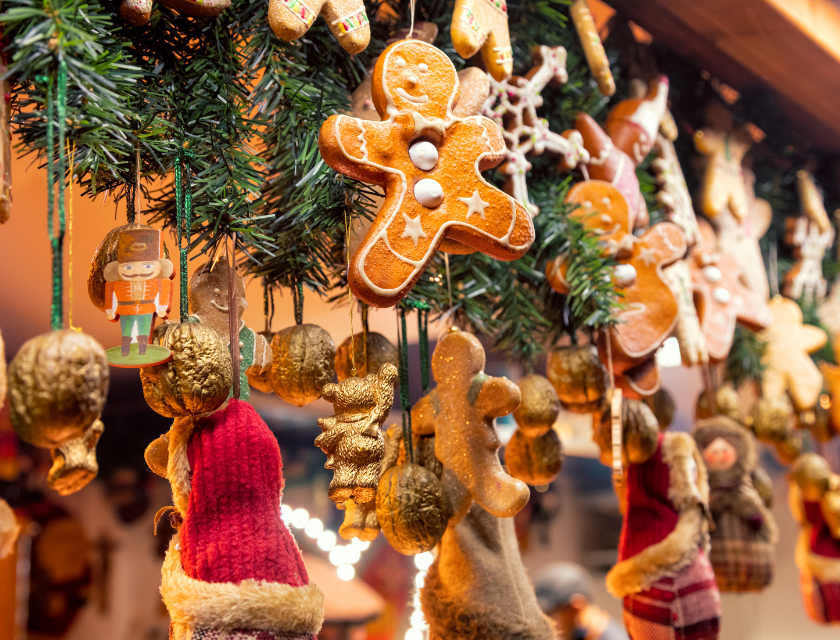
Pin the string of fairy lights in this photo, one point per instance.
(345, 556)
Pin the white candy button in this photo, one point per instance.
(428, 192)
(711, 273)
(424, 155)
(625, 275)
(721, 295)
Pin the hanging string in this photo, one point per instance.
(353, 371)
(297, 295)
(136, 206)
(70, 238)
(268, 305)
(411, 30)
(365, 310)
(405, 399)
(423, 330)
(183, 214)
(233, 316)
(55, 174)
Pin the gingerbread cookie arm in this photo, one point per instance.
(497, 53)
(290, 19)
(343, 144)
(468, 35)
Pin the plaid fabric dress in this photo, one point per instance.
(685, 607)
(741, 555)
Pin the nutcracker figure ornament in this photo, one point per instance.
(137, 288)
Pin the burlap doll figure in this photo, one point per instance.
(208, 293)
(663, 573)
(815, 503)
(742, 553)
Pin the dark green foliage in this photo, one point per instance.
(744, 362)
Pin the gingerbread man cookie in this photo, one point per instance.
(482, 25)
(788, 365)
(429, 163)
(139, 12)
(693, 349)
(673, 191)
(630, 133)
(721, 297)
(650, 309)
(723, 181)
(290, 19)
(513, 106)
(812, 235)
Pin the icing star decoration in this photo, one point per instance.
(428, 161)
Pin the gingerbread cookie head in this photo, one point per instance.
(414, 77)
(208, 296)
(632, 124)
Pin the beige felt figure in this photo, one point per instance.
(461, 412)
(689, 333)
(9, 530)
(593, 48)
(513, 104)
(723, 181)
(789, 367)
(209, 303)
(739, 238)
(812, 235)
(482, 25)
(139, 12)
(429, 164)
(290, 19)
(352, 438)
(720, 296)
(673, 192)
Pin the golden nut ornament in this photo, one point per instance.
(727, 403)
(352, 439)
(663, 406)
(813, 475)
(58, 383)
(106, 253)
(74, 462)
(199, 376)
(770, 419)
(410, 508)
(303, 362)
(157, 455)
(536, 461)
(370, 354)
(538, 410)
(260, 379)
(579, 378)
(639, 433)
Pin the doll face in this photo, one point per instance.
(417, 77)
(139, 271)
(719, 455)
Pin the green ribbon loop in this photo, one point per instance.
(183, 215)
(56, 174)
(297, 292)
(405, 399)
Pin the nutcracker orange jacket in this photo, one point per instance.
(136, 298)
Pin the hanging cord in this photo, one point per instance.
(183, 213)
(405, 399)
(423, 309)
(411, 31)
(268, 305)
(233, 316)
(615, 419)
(70, 238)
(56, 174)
(297, 295)
(365, 309)
(353, 370)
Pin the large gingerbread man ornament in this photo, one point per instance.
(630, 134)
(650, 309)
(429, 163)
(721, 298)
(482, 25)
(789, 367)
(290, 19)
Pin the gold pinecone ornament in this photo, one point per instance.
(199, 376)
(303, 362)
(372, 350)
(58, 383)
(579, 378)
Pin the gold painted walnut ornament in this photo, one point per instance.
(352, 439)
(57, 385)
(197, 379)
(539, 407)
(535, 461)
(303, 362)
(74, 462)
(369, 354)
(579, 378)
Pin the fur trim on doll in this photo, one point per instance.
(252, 604)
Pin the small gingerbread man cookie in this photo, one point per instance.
(429, 163)
(650, 309)
(290, 19)
(722, 299)
(482, 25)
(139, 12)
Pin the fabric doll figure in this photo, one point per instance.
(815, 503)
(663, 573)
(745, 531)
(137, 287)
